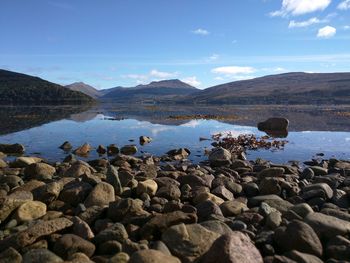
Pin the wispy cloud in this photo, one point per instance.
(61, 5)
(344, 5)
(306, 23)
(233, 70)
(201, 31)
(347, 27)
(326, 32)
(300, 7)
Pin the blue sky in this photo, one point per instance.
(203, 42)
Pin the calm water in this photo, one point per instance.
(42, 130)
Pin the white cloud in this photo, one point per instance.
(193, 81)
(201, 31)
(346, 27)
(162, 75)
(345, 5)
(326, 32)
(300, 7)
(153, 75)
(233, 70)
(306, 23)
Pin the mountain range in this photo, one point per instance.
(287, 88)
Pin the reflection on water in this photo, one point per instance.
(312, 130)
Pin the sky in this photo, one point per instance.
(204, 43)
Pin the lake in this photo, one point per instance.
(42, 130)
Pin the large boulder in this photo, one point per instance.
(101, 195)
(220, 156)
(189, 242)
(40, 171)
(234, 247)
(12, 148)
(327, 226)
(299, 236)
(274, 124)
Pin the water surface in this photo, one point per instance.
(313, 130)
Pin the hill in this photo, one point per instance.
(84, 88)
(288, 88)
(155, 91)
(17, 88)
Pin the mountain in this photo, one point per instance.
(17, 88)
(288, 88)
(84, 88)
(155, 91)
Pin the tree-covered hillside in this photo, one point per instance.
(17, 88)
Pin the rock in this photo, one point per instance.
(22, 162)
(188, 242)
(272, 172)
(152, 256)
(12, 148)
(29, 211)
(129, 149)
(270, 186)
(112, 149)
(303, 257)
(83, 150)
(302, 209)
(66, 146)
(233, 208)
(145, 139)
(179, 154)
(9, 205)
(3, 164)
(119, 258)
(319, 171)
(274, 220)
(2, 155)
(11, 181)
(170, 192)
(149, 187)
(110, 247)
(222, 192)
(206, 209)
(274, 124)
(116, 232)
(113, 179)
(204, 196)
(10, 255)
(233, 248)
(338, 248)
(101, 195)
(34, 232)
(220, 156)
(78, 169)
(75, 192)
(126, 209)
(82, 229)
(325, 188)
(299, 236)
(69, 244)
(40, 171)
(101, 150)
(41, 255)
(216, 226)
(257, 200)
(327, 226)
(159, 223)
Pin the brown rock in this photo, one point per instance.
(233, 248)
(69, 244)
(152, 256)
(101, 195)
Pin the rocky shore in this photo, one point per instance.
(145, 209)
